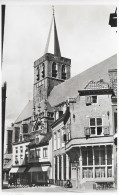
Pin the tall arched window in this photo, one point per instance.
(43, 70)
(63, 72)
(54, 70)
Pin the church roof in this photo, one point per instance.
(26, 113)
(70, 87)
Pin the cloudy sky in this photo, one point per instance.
(84, 36)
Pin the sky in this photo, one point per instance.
(84, 36)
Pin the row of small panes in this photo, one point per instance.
(99, 172)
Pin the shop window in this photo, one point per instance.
(109, 155)
(109, 171)
(90, 156)
(87, 172)
(40, 176)
(45, 152)
(84, 157)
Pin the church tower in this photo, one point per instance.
(50, 70)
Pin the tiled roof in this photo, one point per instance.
(26, 113)
(70, 87)
(44, 140)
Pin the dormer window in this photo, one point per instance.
(54, 70)
(63, 72)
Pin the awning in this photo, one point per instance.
(35, 169)
(21, 169)
(17, 169)
(14, 169)
(45, 168)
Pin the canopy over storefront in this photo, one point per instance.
(39, 169)
(17, 169)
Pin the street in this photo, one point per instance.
(53, 188)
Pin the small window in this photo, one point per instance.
(45, 152)
(90, 100)
(16, 149)
(21, 149)
(38, 155)
(94, 99)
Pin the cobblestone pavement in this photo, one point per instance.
(53, 189)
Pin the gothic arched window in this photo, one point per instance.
(54, 70)
(43, 70)
(63, 72)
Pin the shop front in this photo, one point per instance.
(92, 165)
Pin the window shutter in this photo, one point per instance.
(87, 128)
(87, 131)
(88, 100)
(106, 129)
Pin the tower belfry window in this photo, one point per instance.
(63, 72)
(37, 75)
(43, 71)
(54, 70)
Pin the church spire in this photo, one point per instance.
(56, 41)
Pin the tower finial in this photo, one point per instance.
(53, 10)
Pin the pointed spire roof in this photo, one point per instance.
(56, 41)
